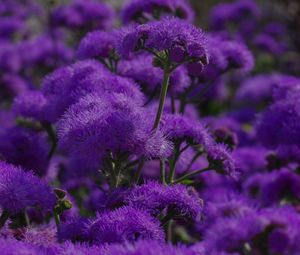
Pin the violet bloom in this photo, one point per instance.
(30, 105)
(20, 189)
(275, 187)
(238, 56)
(154, 198)
(25, 148)
(96, 44)
(42, 50)
(9, 58)
(250, 159)
(83, 14)
(141, 11)
(67, 85)
(235, 12)
(124, 224)
(280, 123)
(221, 160)
(181, 40)
(12, 84)
(269, 44)
(147, 247)
(12, 246)
(10, 26)
(75, 230)
(99, 124)
(180, 128)
(141, 69)
(258, 89)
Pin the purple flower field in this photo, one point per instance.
(136, 128)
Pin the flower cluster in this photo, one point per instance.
(127, 129)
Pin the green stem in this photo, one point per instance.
(173, 162)
(56, 218)
(162, 99)
(163, 171)
(182, 178)
(3, 218)
(138, 172)
(52, 136)
(197, 155)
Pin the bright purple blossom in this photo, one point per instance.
(83, 14)
(155, 197)
(96, 44)
(124, 224)
(141, 11)
(20, 190)
(182, 40)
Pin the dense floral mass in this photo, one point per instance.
(125, 128)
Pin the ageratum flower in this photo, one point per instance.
(280, 123)
(221, 160)
(25, 148)
(259, 88)
(74, 229)
(99, 124)
(147, 247)
(181, 40)
(30, 105)
(141, 69)
(20, 189)
(238, 56)
(274, 187)
(43, 51)
(83, 14)
(12, 85)
(96, 44)
(12, 246)
(9, 58)
(180, 128)
(154, 197)
(124, 224)
(141, 11)
(67, 85)
(234, 12)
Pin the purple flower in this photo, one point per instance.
(96, 44)
(30, 105)
(238, 56)
(124, 224)
(147, 247)
(99, 124)
(280, 123)
(141, 11)
(12, 85)
(20, 189)
(181, 39)
(234, 12)
(269, 44)
(259, 88)
(13, 246)
(9, 58)
(25, 148)
(74, 230)
(67, 85)
(180, 128)
(221, 160)
(83, 14)
(275, 187)
(250, 159)
(45, 51)
(154, 197)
